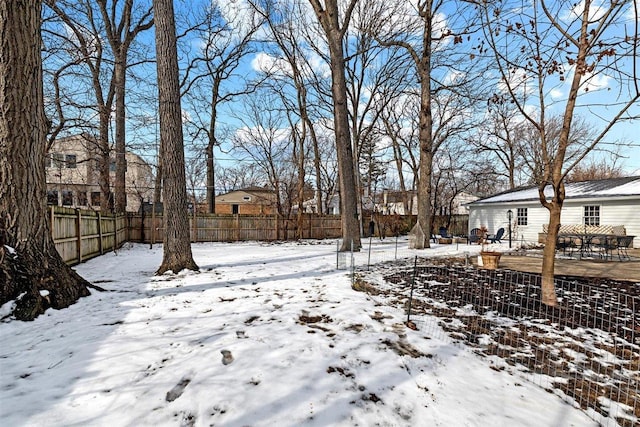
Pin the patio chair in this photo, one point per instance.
(496, 237)
(604, 245)
(444, 233)
(566, 243)
(474, 236)
(624, 243)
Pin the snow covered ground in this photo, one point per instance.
(302, 349)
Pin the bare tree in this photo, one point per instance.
(399, 123)
(294, 79)
(446, 78)
(590, 169)
(265, 140)
(232, 178)
(329, 16)
(500, 140)
(121, 27)
(78, 39)
(31, 271)
(177, 246)
(212, 79)
(565, 46)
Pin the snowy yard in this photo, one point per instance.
(304, 350)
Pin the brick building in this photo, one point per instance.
(248, 201)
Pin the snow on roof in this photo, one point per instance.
(601, 188)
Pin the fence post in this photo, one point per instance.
(53, 218)
(100, 242)
(396, 254)
(153, 226)
(369, 255)
(353, 267)
(79, 234)
(413, 283)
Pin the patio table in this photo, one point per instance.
(583, 241)
(587, 243)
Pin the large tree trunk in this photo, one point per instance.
(177, 245)
(425, 135)
(328, 15)
(120, 144)
(104, 159)
(348, 193)
(211, 171)
(32, 272)
(548, 256)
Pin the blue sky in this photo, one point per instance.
(598, 103)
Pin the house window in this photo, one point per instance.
(71, 161)
(95, 198)
(247, 198)
(67, 198)
(234, 209)
(82, 198)
(52, 197)
(521, 216)
(112, 166)
(592, 215)
(55, 160)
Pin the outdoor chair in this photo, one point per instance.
(624, 242)
(496, 237)
(474, 236)
(604, 245)
(444, 233)
(565, 243)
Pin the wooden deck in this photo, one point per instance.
(614, 269)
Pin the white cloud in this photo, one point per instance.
(454, 76)
(265, 63)
(592, 82)
(556, 94)
(596, 11)
(186, 117)
(518, 82)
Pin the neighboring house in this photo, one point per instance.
(461, 203)
(333, 208)
(248, 201)
(392, 204)
(612, 202)
(73, 178)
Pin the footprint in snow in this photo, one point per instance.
(177, 390)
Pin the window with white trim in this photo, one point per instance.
(522, 216)
(591, 215)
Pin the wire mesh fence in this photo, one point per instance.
(586, 349)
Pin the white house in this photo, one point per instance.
(393, 203)
(332, 208)
(613, 202)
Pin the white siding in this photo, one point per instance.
(494, 216)
(612, 212)
(618, 211)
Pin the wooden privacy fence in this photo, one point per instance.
(234, 228)
(80, 235)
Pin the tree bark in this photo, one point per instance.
(328, 17)
(177, 245)
(32, 272)
(120, 67)
(549, 256)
